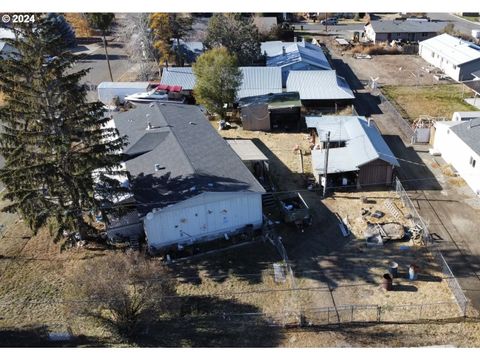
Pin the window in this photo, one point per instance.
(473, 162)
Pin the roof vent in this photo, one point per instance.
(192, 123)
(284, 51)
(151, 105)
(149, 125)
(159, 167)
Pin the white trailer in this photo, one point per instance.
(108, 91)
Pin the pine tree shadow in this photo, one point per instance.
(204, 321)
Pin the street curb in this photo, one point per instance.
(471, 22)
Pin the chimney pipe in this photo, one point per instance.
(149, 125)
(295, 39)
(284, 51)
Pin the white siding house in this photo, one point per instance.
(186, 183)
(458, 142)
(455, 57)
(202, 218)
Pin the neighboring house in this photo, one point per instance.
(271, 111)
(256, 80)
(455, 57)
(358, 155)
(458, 142)
(412, 30)
(320, 88)
(187, 184)
(189, 49)
(294, 56)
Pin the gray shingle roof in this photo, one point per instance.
(185, 156)
(407, 26)
(469, 132)
(364, 143)
(319, 85)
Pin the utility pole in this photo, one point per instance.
(326, 165)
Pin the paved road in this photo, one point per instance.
(460, 24)
(97, 63)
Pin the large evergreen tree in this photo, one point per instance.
(52, 139)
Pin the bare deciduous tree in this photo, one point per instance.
(135, 32)
(126, 292)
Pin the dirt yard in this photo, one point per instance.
(235, 292)
(389, 69)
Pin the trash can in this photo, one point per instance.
(387, 282)
(393, 269)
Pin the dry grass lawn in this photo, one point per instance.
(435, 101)
(33, 286)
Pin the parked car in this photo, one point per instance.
(329, 21)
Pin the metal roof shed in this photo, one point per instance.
(356, 147)
(319, 85)
(246, 150)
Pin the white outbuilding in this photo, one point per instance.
(458, 142)
(457, 58)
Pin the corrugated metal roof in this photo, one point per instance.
(192, 157)
(274, 101)
(454, 49)
(257, 80)
(407, 26)
(469, 133)
(182, 76)
(246, 150)
(319, 85)
(294, 52)
(364, 143)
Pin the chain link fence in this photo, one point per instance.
(403, 124)
(418, 222)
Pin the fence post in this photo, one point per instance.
(379, 313)
(420, 312)
(328, 315)
(351, 314)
